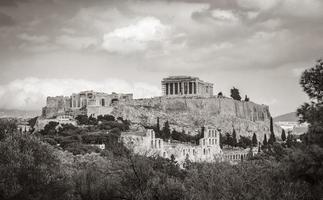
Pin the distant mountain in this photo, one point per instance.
(289, 117)
(18, 113)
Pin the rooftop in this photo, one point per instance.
(182, 77)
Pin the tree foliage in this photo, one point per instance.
(235, 94)
(312, 113)
(312, 81)
(283, 135)
(29, 169)
(254, 140)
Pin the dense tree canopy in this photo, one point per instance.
(312, 81)
(235, 94)
(312, 113)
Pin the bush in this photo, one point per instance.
(29, 169)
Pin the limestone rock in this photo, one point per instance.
(191, 113)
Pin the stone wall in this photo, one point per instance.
(55, 106)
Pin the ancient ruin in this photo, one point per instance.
(186, 86)
(207, 150)
(83, 103)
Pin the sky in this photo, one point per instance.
(59, 47)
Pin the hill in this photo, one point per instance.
(288, 117)
(6, 113)
(191, 113)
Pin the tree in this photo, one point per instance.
(244, 142)
(312, 81)
(265, 142)
(228, 139)
(50, 129)
(158, 126)
(289, 140)
(312, 113)
(272, 137)
(234, 138)
(166, 131)
(254, 140)
(30, 169)
(235, 94)
(271, 126)
(7, 126)
(220, 95)
(283, 136)
(222, 140)
(246, 98)
(106, 118)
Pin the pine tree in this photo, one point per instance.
(265, 141)
(235, 94)
(221, 140)
(271, 126)
(228, 139)
(234, 138)
(272, 137)
(202, 131)
(289, 140)
(254, 139)
(246, 98)
(283, 136)
(166, 131)
(158, 126)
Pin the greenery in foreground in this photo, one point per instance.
(31, 168)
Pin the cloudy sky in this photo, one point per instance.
(56, 47)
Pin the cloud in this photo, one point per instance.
(136, 37)
(30, 93)
(6, 20)
(11, 2)
(33, 38)
(76, 42)
(224, 15)
(258, 5)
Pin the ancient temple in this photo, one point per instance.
(186, 86)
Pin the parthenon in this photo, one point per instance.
(186, 86)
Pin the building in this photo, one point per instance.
(83, 103)
(208, 149)
(293, 127)
(97, 103)
(146, 143)
(186, 86)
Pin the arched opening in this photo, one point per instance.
(115, 100)
(102, 102)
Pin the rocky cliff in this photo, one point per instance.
(190, 113)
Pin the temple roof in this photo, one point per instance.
(182, 77)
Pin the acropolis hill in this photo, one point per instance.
(187, 103)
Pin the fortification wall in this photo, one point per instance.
(55, 106)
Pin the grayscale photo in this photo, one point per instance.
(161, 100)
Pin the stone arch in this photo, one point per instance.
(114, 100)
(102, 102)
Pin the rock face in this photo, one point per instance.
(191, 113)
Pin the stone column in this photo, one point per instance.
(173, 88)
(182, 84)
(168, 90)
(186, 87)
(178, 91)
(197, 87)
